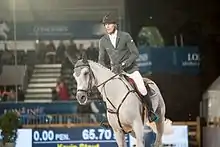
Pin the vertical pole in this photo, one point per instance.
(175, 41)
(15, 42)
(181, 40)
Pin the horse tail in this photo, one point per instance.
(168, 127)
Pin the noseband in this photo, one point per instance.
(91, 76)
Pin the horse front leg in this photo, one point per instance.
(138, 128)
(120, 138)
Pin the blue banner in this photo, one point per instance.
(145, 60)
(162, 59)
(40, 108)
(56, 30)
(69, 107)
(185, 60)
(74, 137)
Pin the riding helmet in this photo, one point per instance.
(110, 18)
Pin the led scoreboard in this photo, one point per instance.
(74, 137)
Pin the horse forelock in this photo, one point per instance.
(78, 67)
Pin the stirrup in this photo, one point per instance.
(152, 117)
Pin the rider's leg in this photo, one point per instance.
(136, 76)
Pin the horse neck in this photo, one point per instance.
(101, 73)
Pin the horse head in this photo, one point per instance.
(84, 78)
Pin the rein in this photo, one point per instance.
(116, 111)
(92, 76)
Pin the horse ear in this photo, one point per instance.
(84, 57)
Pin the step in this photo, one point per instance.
(48, 66)
(46, 80)
(48, 70)
(41, 85)
(39, 90)
(38, 96)
(46, 75)
(37, 100)
(67, 71)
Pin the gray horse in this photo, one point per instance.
(125, 111)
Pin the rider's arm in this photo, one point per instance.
(102, 53)
(133, 49)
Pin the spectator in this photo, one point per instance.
(21, 96)
(50, 53)
(60, 52)
(40, 50)
(54, 94)
(72, 50)
(8, 96)
(11, 96)
(7, 56)
(92, 52)
(62, 90)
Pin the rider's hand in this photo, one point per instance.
(117, 69)
(123, 65)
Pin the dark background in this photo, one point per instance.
(198, 22)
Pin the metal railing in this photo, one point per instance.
(79, 120)
(60, 120)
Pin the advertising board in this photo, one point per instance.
(89, 137)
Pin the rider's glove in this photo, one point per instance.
(117, 69)
(123, 65)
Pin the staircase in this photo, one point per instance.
(43, 79)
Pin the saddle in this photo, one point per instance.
(133, 84)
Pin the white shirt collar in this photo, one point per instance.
(114, 34)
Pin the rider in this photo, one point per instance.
(122, 51)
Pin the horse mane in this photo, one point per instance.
(100, 65)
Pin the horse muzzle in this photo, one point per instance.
(81, 97)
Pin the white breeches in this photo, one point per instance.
(136, 76)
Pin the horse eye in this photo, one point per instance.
(86, 73)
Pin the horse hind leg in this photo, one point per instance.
(160, 129)
(139, 132)
(120, 138)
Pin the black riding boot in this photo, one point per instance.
(152, 116)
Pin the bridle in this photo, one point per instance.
(92, 76)
(88, 91)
